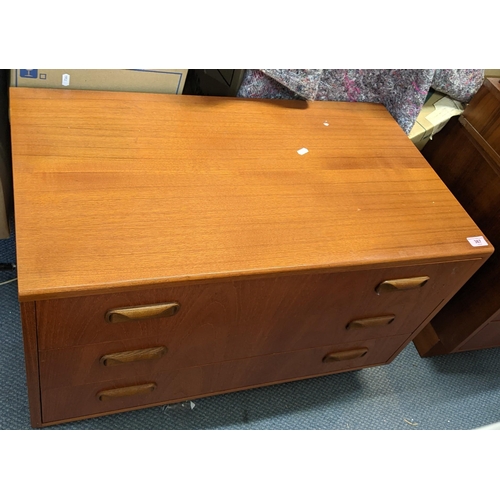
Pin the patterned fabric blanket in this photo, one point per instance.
(402, 91)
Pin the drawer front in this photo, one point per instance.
(240, 319)
(171, 385)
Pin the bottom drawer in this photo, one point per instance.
(194, 382)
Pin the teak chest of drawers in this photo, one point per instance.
(173, 247)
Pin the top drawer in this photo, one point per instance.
(259, 316)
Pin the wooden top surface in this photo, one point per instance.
(116, 190)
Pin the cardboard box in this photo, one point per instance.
(434, 115)
(162, 81)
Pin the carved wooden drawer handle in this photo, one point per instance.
(345, 355)
(134, 390)
(118, 358)
(402, 284)
(142, 312)
(371, 322)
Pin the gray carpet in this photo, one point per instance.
(460, 391)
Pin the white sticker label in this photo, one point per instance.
(65, 79)
(477, 241)
(303, 151)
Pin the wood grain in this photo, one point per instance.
(118, 191)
